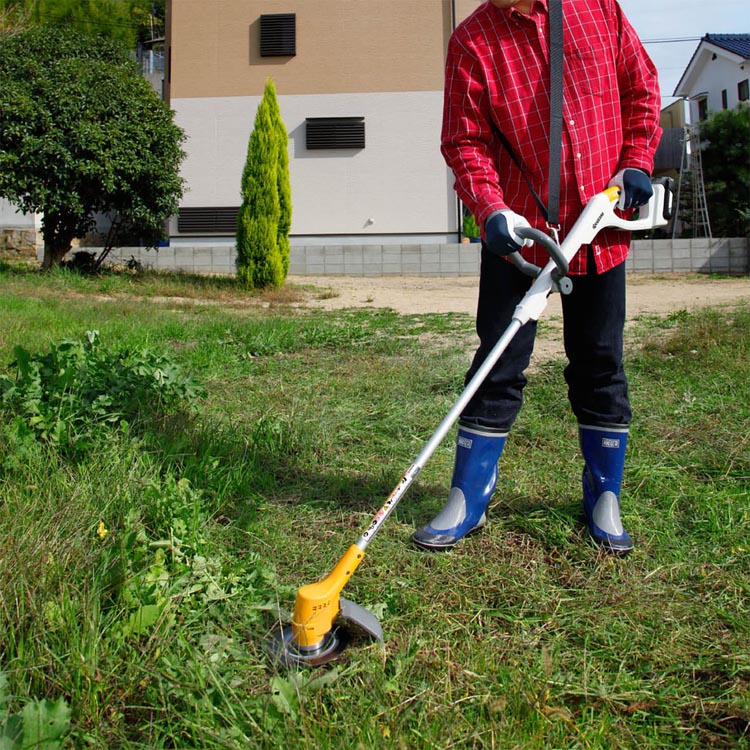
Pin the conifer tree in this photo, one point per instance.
(283, 183)
(265, 214)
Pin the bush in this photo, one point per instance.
(81, 133)
(726, 170)
(470, 226)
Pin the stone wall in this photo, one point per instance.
(726, 256)
(18, 243)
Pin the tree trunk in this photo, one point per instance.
(58, 239)
(108, 244)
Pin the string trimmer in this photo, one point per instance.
(316, 635)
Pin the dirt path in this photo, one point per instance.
(420, 294)
(658, 295)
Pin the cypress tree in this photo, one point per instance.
(260, 261)
(283, 181)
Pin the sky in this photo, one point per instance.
(659, 20)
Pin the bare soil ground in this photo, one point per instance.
(647, 295)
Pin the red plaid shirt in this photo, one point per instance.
(498, 69)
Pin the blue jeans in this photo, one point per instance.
(593, 322)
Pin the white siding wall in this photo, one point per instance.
(397, 184)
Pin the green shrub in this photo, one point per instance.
(470, 226)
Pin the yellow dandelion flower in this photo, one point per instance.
(102, 530)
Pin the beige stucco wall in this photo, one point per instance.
(342, 47)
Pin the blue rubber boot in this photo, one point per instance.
(603, 450)
(478, 450)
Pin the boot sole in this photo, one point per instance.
(607, 546)
(444, 547)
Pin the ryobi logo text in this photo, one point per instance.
(599, 218)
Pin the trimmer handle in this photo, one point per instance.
(656, 213)
(598, 214)
(541, 238)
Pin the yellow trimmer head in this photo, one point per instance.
(318, 633)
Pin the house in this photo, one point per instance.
(360, 91)
(717, 76)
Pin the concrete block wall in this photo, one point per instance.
(314, 260)
(385, 260)
(724, 256)
(700, 255)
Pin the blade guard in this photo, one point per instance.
(362, 618)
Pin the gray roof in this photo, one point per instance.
(738, 44)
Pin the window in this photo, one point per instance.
(335, 132)
(278, 35)
(743, 90)
(703, 109)
(724, 104)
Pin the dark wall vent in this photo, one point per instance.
(212, 220)
(278, 35)
(335, 132)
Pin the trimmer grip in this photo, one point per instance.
(538, 236)
(523, 265)
(656, 213)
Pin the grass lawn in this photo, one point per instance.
(167, 486)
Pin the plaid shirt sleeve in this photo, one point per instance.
(497, 71)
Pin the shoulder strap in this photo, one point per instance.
(551, 212)
(555, 106)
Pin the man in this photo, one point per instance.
(498, 79)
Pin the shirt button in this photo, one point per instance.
(571, 122)
(578, 155)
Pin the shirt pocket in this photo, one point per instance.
(588, 69)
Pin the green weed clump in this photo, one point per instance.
(65, 394)
(109, 550)
(40, 724)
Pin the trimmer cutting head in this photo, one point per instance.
(284, 652)
(315, 636)
(287, 651)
